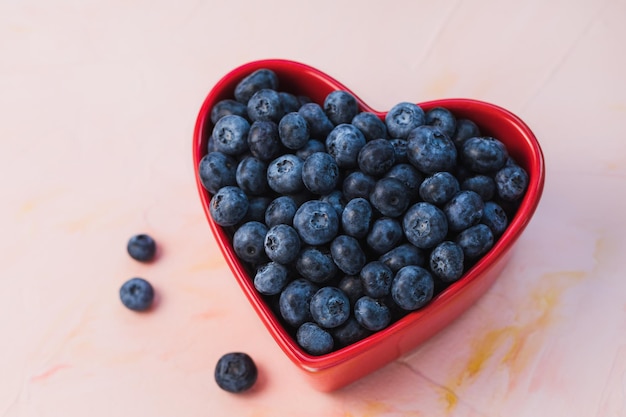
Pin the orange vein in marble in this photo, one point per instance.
(49, 372)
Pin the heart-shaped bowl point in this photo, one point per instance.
(341, 367)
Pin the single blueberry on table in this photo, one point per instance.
(271, 278)
(294, 302)
(340, 107)
(249, 241)
(465, 129)
(282, 243)
(483, 155)
(403, 118)
(314, 339)
(227, 107)
(351, 286)
(446, 261)
(412, 287)
(390, 197)
(228, 206)
(495, 217)
(430, 150)
(236, 372)
(348, 333)
(475, 241)
(358, 184)
(347, 254)
(284, 174)
(464, 210)
(230, 134)
(293, 131)
(372, 313)
(376, 278)
(141, 247)
(443, 119)
(137, 294)
(370, 125)
(483, 185)
(409, 176)
(217, 170)
(316, 264)
(319, 124)
(425, 225)
(280, 210)
(265, 105)
(330, 307)
(289, 102)
(439, 188)
(344, 142)
(309, 148)
(384, 235)
(403, 255)
(263, 140)
(251, 175)
(511, 182)
(377, 157)
(257, 80)
(317, 222)
(320, 173)
(356, 217)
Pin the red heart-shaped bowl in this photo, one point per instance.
(339, 368)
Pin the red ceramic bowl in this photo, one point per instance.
(339, 368)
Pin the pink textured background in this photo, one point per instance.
(97, 105)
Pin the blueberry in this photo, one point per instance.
(227, 107)
(137, 294)
(403, 118)
(340, 107)
(210, 145)
(483, 185)
(446, 261)
(319, 124)
(384, 235)
(314, 340)
(409, 176)
(403, 255)
(351, 286)
(443, 119)
(310, 147)
(235, 372)
(371, 313)
(289, 102)
(284, 174)
(439, 188)
(465, 129)
(282, 243)
(251, 175)
(390, 197)
(377, 157)
(347, 254)
(217, 170)
(265, 105)
(511, 182)
(230, 134)
(330, 307)
(475, 241)
(320, 173)
(464, 210)
(483, 155)
(412, 287)
(336, 199)
(141, 247)
(370, 125)
(257, 205)
(258, 80)
(228, 206)
(316, 264)
(495, 217)
(280, 210)
(293, 131)
(348, 333)
(400, 145)
(248, 242)
(430, 150)
(294, 301)
(358, 184)
(317, 222)
(376, 278)
(263, 140)
(271, 278)
(356, 217)
(425, 225)
(344, 143)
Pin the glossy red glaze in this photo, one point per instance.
(339, 368)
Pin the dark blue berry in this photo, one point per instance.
(400, 145)
(263, 140)
(483, 155)
(227, 107)
(446, 261)
(348, 333)
(425, 225)
(294, 302)
(475, 241)
(293, 131)
(347, 254)
(384, 235)
(310, 147)
(271, 278)
(351, 286)
(370, 125)
(289, 102)
(319, 124)
(356, 217)
(258, 80)
(443, 119)
(314, 340)
(403, 255)
(412, 287)
(483, 185)
(141, 247)
(316, 264)
(284, 174)
(340, 107)
(376, 278)
(465, 129)
(511, 182)
(282, 243)
(403, 118)
(137, 294)
(409, 176)
(317, 222)
(336, 199)
(430, 150)
(249, 241)
(390, 197)
(265, 105)
(377, 157)
(229, 206)
(280, 210)
(439, 188)
(344, 143)
(358, 184)
(217, 170)
(235, 372)
(495, 217)
(320, 173)
(464, 210)
(371, 313)
(230, 134)
(330, 307)
(257, 205)
(251, 176)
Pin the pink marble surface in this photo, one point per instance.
(97, 105)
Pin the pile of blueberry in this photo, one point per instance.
(346, 221)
